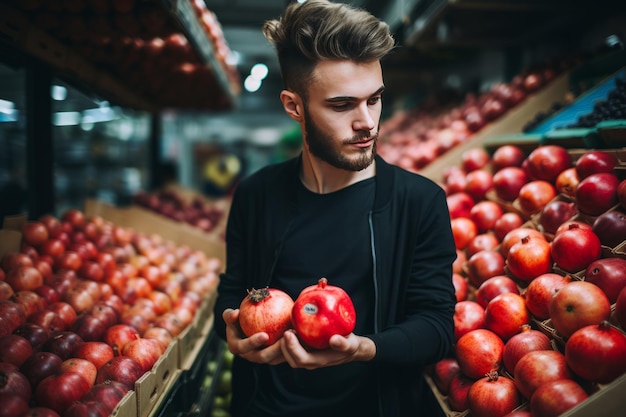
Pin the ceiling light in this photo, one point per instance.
(58, 93)
(251, 84)
(66, 118)
(259, 71)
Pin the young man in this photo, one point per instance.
(341, 212)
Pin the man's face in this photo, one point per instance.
(342, 113)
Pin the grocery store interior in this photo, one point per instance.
(147, 113)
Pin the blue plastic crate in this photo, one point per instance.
(582, 106)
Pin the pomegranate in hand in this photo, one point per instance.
(266, 310)
(321, 311)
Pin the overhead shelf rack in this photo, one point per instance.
(480, 23)
(116, 55)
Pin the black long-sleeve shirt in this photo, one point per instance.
(411, 251)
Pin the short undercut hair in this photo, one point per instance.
(320, 30)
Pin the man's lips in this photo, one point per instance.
(363, 143)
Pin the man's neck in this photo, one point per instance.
(322, 178)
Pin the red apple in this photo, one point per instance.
(484, 265)
(493, 287)
(555, 213)
(595, 161)
(80, 366)
(24, 278)
(609, 274)
(65, 311)
(479, 352)
(507, 156)
(508, 182)
(468, 316)
(145, 352)
(534, 195)
(540, 292)
(457, 396)
(40, 365)
(578, 304)
(107, 393)
(463, 231)
(122, 369)
(610, 227)
(12, 405)
(520, 344)
(90, 328)
(567, 182)
(492, 108)
(574, 249)
(86, 409)
(485, 214)
(118, 335)
(63, 343)
(460, 287)
(95, 352)
(483, 241)
(60, 391)
(507, 222)
(443, 372)
(597, 193)
(474, 158)
(11, 316)
(34, 233)
(596, 353)
(48, 320)
(35, 334)
(539, 367)
(533, 82)
(479, 182)
(546, 162)
(459, 204)
(554, 398)
(454, 179)
(14, 349)
(506, 314)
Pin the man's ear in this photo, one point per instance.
(292, 104)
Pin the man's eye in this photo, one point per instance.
(341, 107)
(374, 100)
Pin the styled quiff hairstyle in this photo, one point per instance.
(320, 30)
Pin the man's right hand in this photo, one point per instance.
(250, 348)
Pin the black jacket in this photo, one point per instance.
(412, 253)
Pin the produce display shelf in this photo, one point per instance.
(185, 14)
(582, 106)
(17, 31)
(510, 123)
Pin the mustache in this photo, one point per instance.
(360, 137)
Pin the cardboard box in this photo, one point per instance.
(127, 407)
(154, 384)
(9, 241)
(191, 343)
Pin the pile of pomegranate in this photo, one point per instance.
(196, 211)
(141, 45)
(87, 307)
(540, 280)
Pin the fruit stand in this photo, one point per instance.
(524, 228)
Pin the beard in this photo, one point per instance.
(325, 147)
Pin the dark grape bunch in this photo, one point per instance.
(541, 116)
(613, 108)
